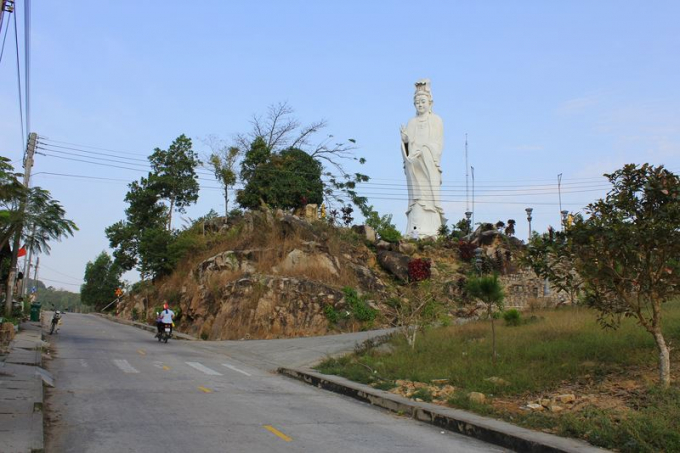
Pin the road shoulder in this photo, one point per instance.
(483, 428)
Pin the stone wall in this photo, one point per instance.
(523, 289)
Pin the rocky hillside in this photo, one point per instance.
(273, 275)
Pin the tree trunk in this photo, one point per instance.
(664, 359)
(493, 340)
(172, 205)
(226, 202)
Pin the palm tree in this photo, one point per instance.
(36, 212)
(489, 290)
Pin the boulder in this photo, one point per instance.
(477, 397)
(407, 248)
(366, 232)
(301, 260)
(394, 262)
(367, 279)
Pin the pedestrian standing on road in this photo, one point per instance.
(167, 316)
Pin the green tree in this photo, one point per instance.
(552, 256)
(174, 175)
(144, 212)
(33, 210)
(489, 290)
(289, 179)
(278, 130)
(223, 160)
(102, 278)
(627, 251)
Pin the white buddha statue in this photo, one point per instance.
(422, 141)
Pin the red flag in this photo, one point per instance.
(22, 252)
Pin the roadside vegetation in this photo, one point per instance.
(611, 374)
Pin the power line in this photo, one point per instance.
(21, 107)
(4, 38)
(27, 61)
(58, 281)
(61, 273)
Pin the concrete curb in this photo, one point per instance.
(483, 428)
(175, 335)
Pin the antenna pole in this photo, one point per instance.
(467, 189)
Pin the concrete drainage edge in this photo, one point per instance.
(483, 428)
(175, 335)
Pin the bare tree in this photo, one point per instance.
(281, 130)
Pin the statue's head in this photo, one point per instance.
(422, 99)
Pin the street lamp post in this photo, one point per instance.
(529, 211)
(564, 213)
(468, 214)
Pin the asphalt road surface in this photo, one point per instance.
(117, 389)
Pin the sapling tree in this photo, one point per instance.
(627, 251)
(416, 308)
(489, 290)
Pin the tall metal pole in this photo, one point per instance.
(467, 189)
(472, 169)
(559, 195)
(28, 165)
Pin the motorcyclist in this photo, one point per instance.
(167, 316)
(159, 324)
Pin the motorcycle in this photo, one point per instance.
(56, 320)
(166, 333)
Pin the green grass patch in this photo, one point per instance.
(565, 345)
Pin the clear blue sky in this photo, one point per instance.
(541, 88)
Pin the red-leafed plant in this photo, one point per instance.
(419, 270)
(467, 250)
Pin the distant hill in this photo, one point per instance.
(49, 296)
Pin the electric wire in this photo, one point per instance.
(27, 62)
(21, 107)
(4, 38)
(58, 281)
(60, 273)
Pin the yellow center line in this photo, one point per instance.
(141, 351)
(166, 368)
(204, 390)
(278, 433)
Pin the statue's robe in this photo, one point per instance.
(422, 155)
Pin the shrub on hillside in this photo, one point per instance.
(419, 270)
(512, 317)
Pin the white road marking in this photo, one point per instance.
(236, 369)
(203, 369)
(83, 363)
(125, 366)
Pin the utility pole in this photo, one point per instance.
(467, 184)
(472, 169)
(559, 195)
(28, 165)
(27, 264)
(6, 6)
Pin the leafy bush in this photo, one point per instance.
(419, 270)
(512, 317)
(466, 250)
(331, 314)
(359, 306)
(381, 224)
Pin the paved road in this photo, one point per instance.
(119, 390)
